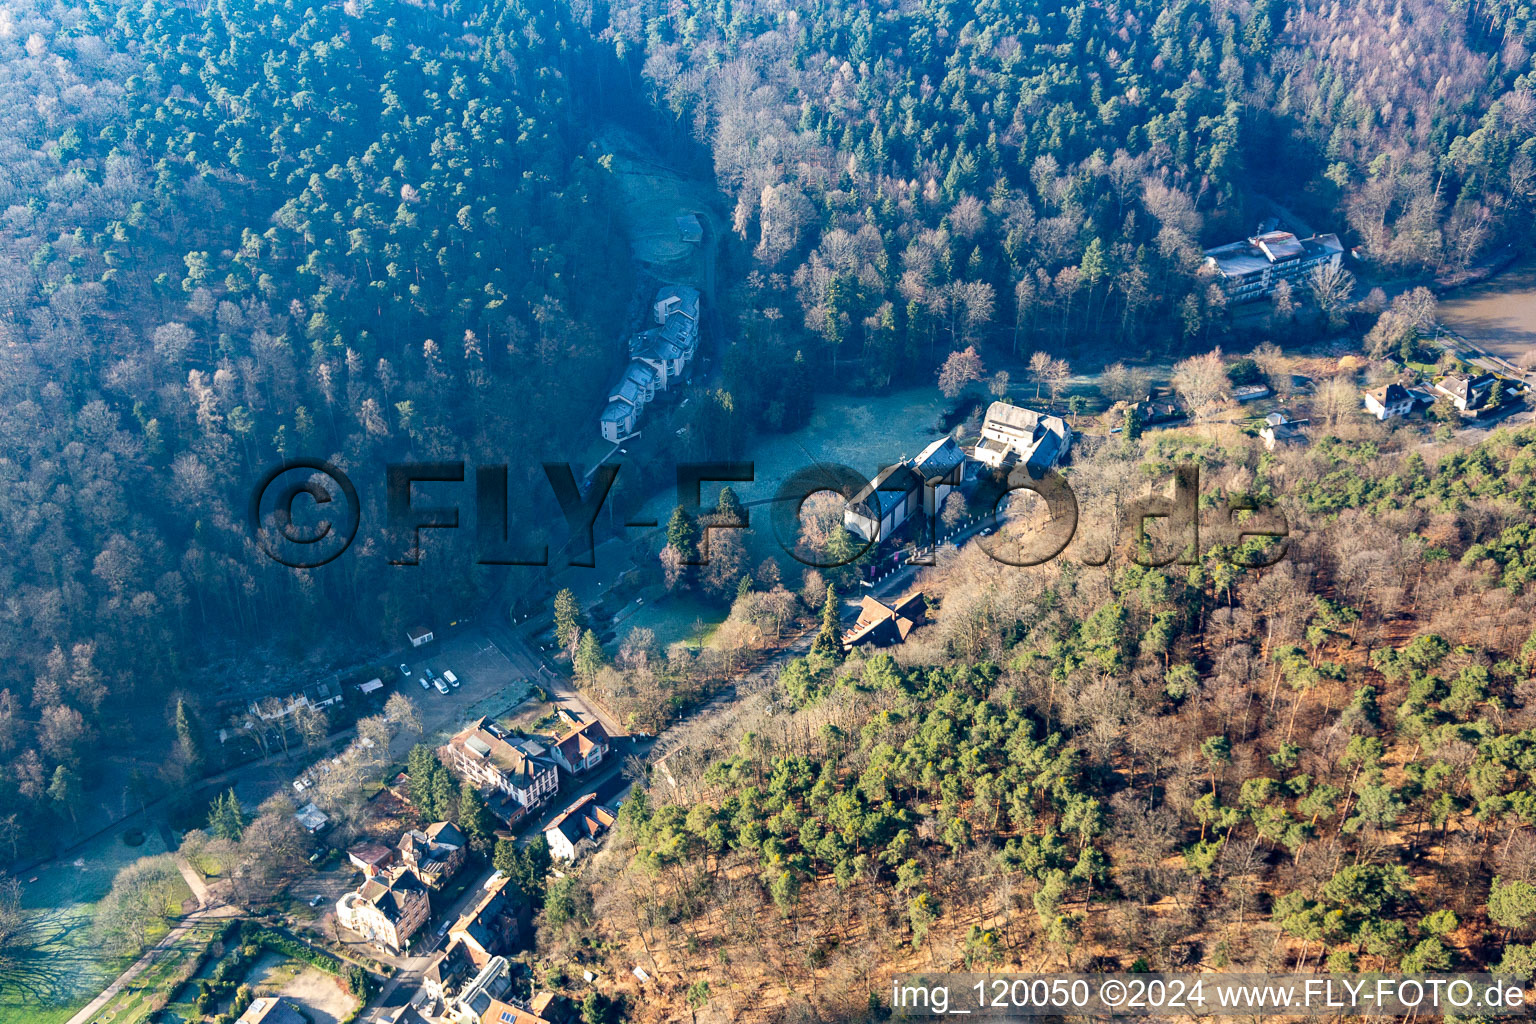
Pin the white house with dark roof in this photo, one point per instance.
(898, 492)
(1389, 401)
(578, 828)
(386, 910)
(618, 420)
(583, 747)
(1470, 394)
(1252, 268)
(1012, 434)
(518, 770)
(885, 503)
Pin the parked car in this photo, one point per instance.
(405, 670)
(424, 684)
(453, 680)
(442, 687)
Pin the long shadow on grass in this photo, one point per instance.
(51, 969)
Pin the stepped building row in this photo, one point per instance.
(658, 357)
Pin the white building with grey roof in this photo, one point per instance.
(1254, 267)
(1012, 434)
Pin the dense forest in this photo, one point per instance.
(371, 232)
(914, 177)
(1325, 762)
(236, 233)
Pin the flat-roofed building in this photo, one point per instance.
(1254, 267)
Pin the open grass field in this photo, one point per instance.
(70, 966)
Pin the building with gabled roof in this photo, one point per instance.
(371, 857)
(447, 971)
(1389, 401)
(578, 828)
(583, 747)
(491, 925)
(897, 492)
(1470, 394)
(1012, 434)
(884, 624)
(434, 853)
(386, 910)
(518, 769)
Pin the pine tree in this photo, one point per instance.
(421, 765)
(567, 617)
(225, 819)
(729, 507)
(682, 533)
(828, 643)
(188, 742)
(474, 817)
(589, 656)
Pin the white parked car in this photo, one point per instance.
(442, 687)
(453, 680)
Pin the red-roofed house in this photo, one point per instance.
(882, 624)
(581, 749)
(371, 857)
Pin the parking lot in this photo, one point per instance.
(489, 684)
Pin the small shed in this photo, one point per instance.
(418, 636)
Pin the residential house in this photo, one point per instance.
(371, 858)
(581, 749)
(882, 624)
(676, 300)
(1012, 434)
(271, 1010)
(434, 854)
(386, 910)
(661, 350)
(578, 828)
(899, 491)
(1471, 395)
(1152, 410)
(518, 769)
(1389, 401)
(1279, 429)
(315, 695)
(618, 421)
(419, 635)
(658, 356)
(507, 1012)
(446, 972)
(490, 927)
(941, 466)
(637, 386)
(1254, 268)
(487, 989)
